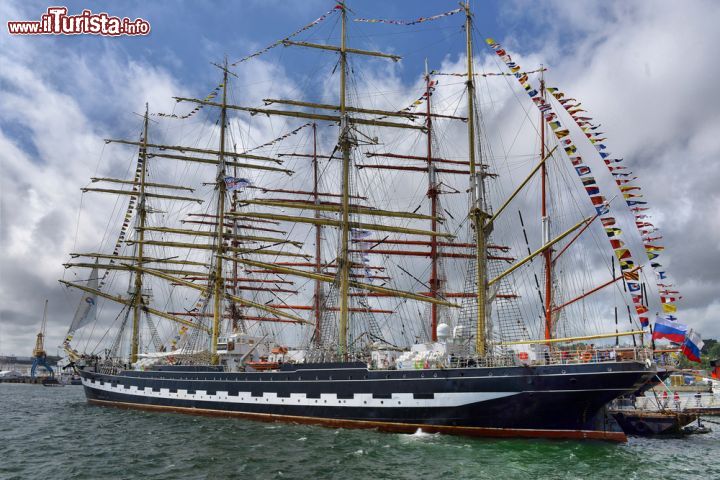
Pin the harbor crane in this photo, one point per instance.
(39, 355)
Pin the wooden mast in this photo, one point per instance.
(142, 213)
(547, 254)
(433, 195)
(235, 311)
(318, 235)
(476, 196)
(219, 284)
(344, 260)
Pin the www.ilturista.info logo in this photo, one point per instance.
(57, 22)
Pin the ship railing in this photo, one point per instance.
(577, 356)
(565, 356)
(504, 360)
(320, 356)
(685, 401)
(588, 354)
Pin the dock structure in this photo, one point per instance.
(701, 403)
(659, 414)
(646, 422)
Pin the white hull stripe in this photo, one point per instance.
(398, 400)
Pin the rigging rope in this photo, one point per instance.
(631, 193)
(600, 204)
(294, 34)
(410, 22)
(279, 139)
(208, 97)
(491, 74)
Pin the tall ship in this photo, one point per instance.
(370, 267)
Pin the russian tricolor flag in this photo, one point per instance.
(673, 331)
(692, 346)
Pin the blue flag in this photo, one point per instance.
(235, 183)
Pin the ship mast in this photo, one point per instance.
(234, 310)
(345, 142)
(433, 195)
(219, 284)
(236, 315)
(547, 254)
(343, 260)
(142, 214)
(476, 195)
(318, 235)
(139, 261)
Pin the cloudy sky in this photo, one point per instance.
(645, 69)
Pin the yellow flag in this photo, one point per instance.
(669, 308)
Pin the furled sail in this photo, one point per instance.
(86, 309)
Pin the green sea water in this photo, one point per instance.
(52, 433)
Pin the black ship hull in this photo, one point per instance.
(554, 401)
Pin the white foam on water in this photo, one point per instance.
(419, 435)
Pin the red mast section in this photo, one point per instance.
(433, 195)
(547, 254)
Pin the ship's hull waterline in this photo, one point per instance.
(551, 401)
